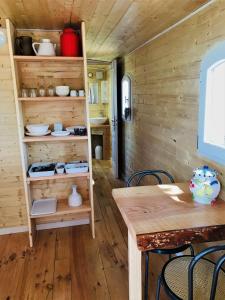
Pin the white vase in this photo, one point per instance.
(75, 198)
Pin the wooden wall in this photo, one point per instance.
(12, 203)
(165, 76)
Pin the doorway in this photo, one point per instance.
(103, 111)
(99, 98)
(100, 101)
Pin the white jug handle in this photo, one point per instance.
(55, 46)
(33, 46)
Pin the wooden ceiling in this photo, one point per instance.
(114, 27)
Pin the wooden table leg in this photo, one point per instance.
(134, 257)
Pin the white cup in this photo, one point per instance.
(81, 93)
(73, 93)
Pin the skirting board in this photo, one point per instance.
(11, 230)
(63, 224)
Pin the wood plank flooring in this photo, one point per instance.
(66, 263)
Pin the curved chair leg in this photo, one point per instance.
(159, 282)
(146, 274)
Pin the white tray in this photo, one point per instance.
(44, 206)
(40, 174)
(76, 168)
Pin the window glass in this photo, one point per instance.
(214, 131)
(211, 137)
(126, 98)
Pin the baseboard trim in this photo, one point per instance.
(9, 230)
(63, 224)
(19, 229)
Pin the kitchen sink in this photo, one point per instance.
(98, 120)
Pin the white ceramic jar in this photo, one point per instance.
(75, 198)
(204, 185)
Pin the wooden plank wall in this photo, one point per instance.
(165, 76)
(12, 202)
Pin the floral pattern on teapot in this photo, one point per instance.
(204, 185)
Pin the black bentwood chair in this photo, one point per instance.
(190, 277)
(136, 178)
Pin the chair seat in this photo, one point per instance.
(175, 278)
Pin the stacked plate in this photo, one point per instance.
(60, 133)
(37, 129)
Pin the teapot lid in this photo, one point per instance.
(205, 171)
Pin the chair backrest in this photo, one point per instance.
(138, 176)
(217, 269)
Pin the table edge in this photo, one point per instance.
(175, 238)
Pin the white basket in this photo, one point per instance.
(76, 168)
(40, 174)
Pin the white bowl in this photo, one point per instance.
(37, 128)
(62, 90)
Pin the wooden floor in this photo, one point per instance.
(67, 263)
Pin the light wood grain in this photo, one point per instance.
(56, 265)
(33, 72)
(114, 27)
(12, 199)
(66, 151)
(64, 209)
(70, 113)
(57, 98)
(50, 138)
(24, 58)
(23, 150)
(135, 277)
(161, 208)
(165, 76)
(91, 197)
(58, 176)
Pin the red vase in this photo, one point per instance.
(69, 43)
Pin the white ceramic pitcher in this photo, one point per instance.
(46, 48)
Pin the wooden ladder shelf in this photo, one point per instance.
(31, 72)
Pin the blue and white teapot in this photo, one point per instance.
(204, 185)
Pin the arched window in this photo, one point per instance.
(212, 105)
(126, 98)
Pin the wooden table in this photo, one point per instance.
(164, 216)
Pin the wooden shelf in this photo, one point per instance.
(52, 70)
(55, 98)
(50, 138)
(64, 209)
(57, 176)
(22, 58)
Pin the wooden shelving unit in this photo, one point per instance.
(19, 58)
(56, 98)
(50, 138)
(72, 71)
(58, 176)
(63, 209)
